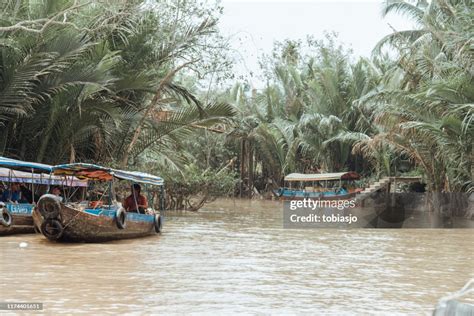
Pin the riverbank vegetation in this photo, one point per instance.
(148, 85)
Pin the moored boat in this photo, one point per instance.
(16, 219)
(323, 186)
(100, 219)
(25, 180)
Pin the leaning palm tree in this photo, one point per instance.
(423, 103)
(84, 80)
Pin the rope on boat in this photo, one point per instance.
(72, 219)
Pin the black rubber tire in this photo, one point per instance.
(5, 218)
(52, 229)
(49, 206)
(158, 223)
(120, 218)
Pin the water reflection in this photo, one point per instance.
(234, 256)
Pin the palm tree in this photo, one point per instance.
(79, 88)
(424, 102)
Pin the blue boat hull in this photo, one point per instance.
(22, 220)
(286, 194)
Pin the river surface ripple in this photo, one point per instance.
(235, 257)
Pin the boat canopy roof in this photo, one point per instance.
(9, 175)
(24, 165)
(84, 171)
(350, 175)
(99, 173)
(137, 176)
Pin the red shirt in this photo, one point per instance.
(130, 205)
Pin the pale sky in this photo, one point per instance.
(255, 25)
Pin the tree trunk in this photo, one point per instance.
(242, 167)
(72, 156)
(4, 140)
(246, 168)
(46, 136)
(250, 168)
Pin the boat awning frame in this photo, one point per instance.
(10, 175)
(350, 175)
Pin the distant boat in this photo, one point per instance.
(325, 186)
(16, 216)
(97, 220)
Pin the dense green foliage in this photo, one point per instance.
(123, 83)
(409, 107)
(96, 80)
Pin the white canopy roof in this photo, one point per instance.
(350, 175)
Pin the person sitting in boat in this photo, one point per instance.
(56, 191)
(12, 195)
(27, 195)
(136, 202)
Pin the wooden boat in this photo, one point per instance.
(16, 218)
(93, 221)
(322, 186)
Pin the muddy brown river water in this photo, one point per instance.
(235, 257)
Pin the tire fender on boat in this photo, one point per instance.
(52, 229)
(5, 216)
(120, 217)
(158, 223)
(49, 206)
